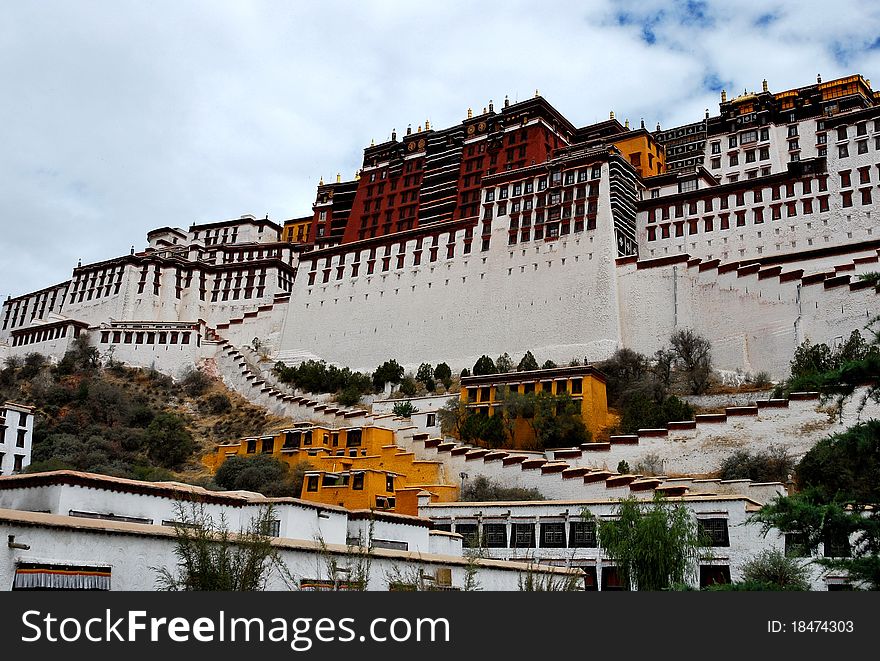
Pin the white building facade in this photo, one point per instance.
(16, 437)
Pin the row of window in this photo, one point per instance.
(43, 335)
(487, 393)
(17, 462)
(145, 337)
(681, 209)
(554, 534)
(20, 436)
(16, 312)
(556, 178)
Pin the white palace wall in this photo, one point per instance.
(557, 299)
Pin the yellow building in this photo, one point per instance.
(296, 230)
(354, 467)
(642, 150)
(585, 385)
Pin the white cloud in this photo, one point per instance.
(123, 116)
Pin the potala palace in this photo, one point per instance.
(515, 230)
(512, 231)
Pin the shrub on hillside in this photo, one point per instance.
(482, 488)
(772, 465)
(262, 473)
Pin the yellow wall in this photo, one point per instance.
(328, 452)
(296, 231)
(593, 399)
(646, 155)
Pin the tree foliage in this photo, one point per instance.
(838, 504)
(167, 440)
(655, 545)
(318, 377)
(443, 374)
(425, 374)
(387, 372)
(210, 558)
(482, 489)
(641, 410)
(404, 409)
(527, 363)
(504, 363)
(775, 464)
(693, 355)
(262, 473)
(483, 366)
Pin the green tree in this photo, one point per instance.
(404, 409)
(693, 355)
(425, 374)
(549, 365)
(167, 441)
(443, 374)
(504, 363)
(838, 504)
(210, 558)
(655, 545)
(527, 363)
(558, 422)
(387, 372)
(482, 488)
(484, 365)
(777, 571)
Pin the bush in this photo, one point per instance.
(195, 382)
(216, 403)
(693, 355)
(263, 474)
(408, 387)
(548, 365)
(482, 488)
(168, 441)
(404, 409)
(773, 568)
(350, 396)
(639, 411)
(773, 465)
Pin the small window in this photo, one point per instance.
(523, 536)
(715, 531)
(389, 483)
(553, 535)
(582, 534)
(469, 532)
(312, 483)
(495, 535)
(714, 575)
(357, 481)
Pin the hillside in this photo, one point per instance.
(127, 422)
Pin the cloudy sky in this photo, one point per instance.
(120, 116)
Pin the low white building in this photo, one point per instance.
(16, 435)
(67, 529)
(564, 533)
